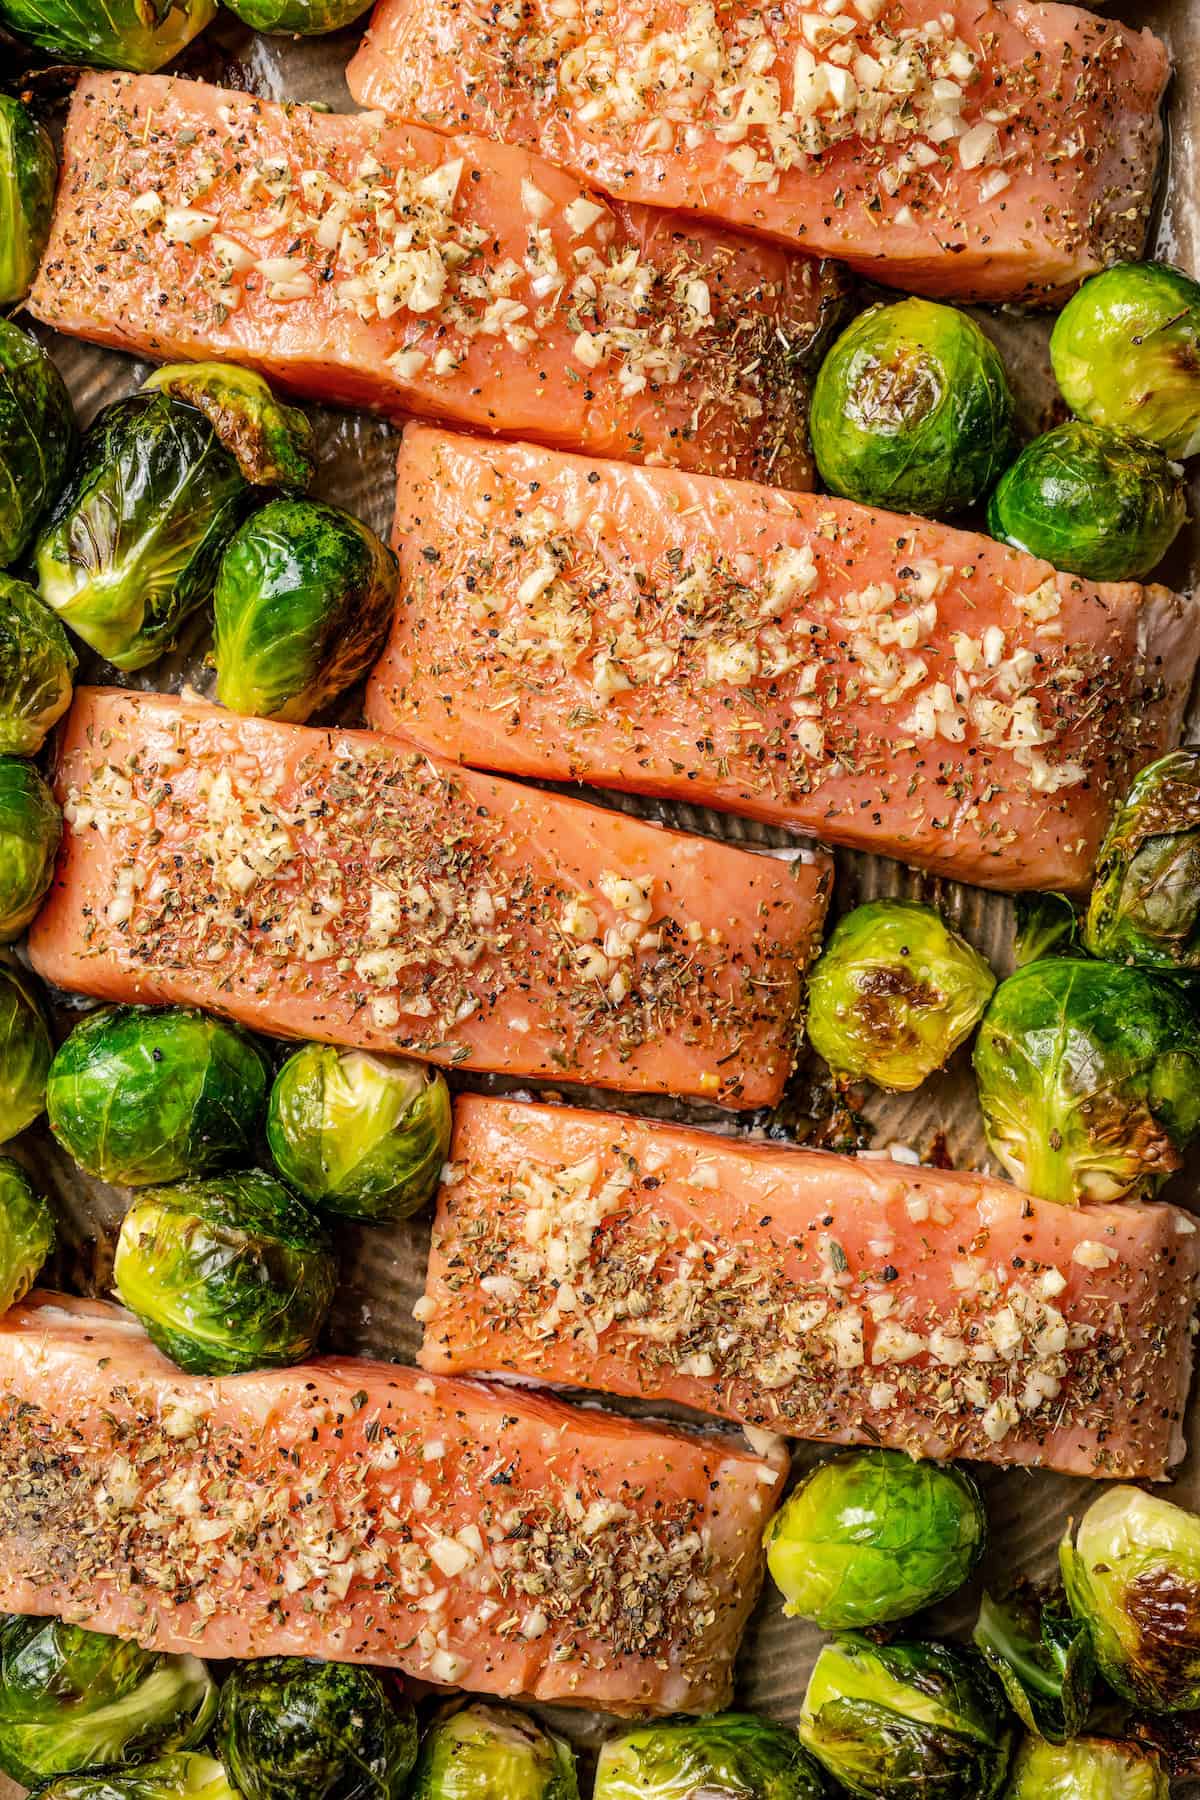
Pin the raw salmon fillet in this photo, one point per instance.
(379, 266)
(952, 148)
(341, 886)
(883, 682)
(856, 1300)
(362, 1512)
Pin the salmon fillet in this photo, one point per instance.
(362, 1512)
(964, 150)
(380, 266)
(340, 886)
(883, 682)
(855, 1300)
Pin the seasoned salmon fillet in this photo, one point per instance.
(343, 886)
(856, 1300)
(948, 147)
(884, 682)
(363, 1512)
(377, 265)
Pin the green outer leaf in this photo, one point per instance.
(478, 1751)
(299, 18)
(1043, 1659)
(184, 1777)
(37, 669)
(734, 1756)
(26, 1233)
(108, 34)
(30, 829)
(24, 1054)
(1087, 1769)
(272, 444)
(1047, 925)
(1145, 904)
(325, 1731)
(28, 178)
(1126, 352)
(37, 436)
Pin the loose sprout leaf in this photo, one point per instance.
(37, 436)
(477, 1751)
(273, 444)
(325, 1731)
(1042, 1657)
(1145, 904)
(1126, 352)
(1047, 925)
(735, 1756)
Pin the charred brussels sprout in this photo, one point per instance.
(1145, 905)
(912, 410)
(894, 992)
(732, 1757)
(1090, 500)
(123, 34)
(1089, 1079)
(72, 1700)
(1086, 1769)
(1126, 352)
(226, 1275)
(298, 18)
(1042, 1657)
(28, 176)
(30, 828)
(185, 1777)
(361, 1136)
(303, 601)
(26, 1233)
(1047, 925)
(24, 1055)
(273, 444)
(37, 437)
(37, 669)
(137, 1095)
(907, 1719)
(1131, 1567)
(481, 1752)
(873, 1536)
(327, 1731)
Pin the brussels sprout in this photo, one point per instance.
(1042, 1657)
(912, 410)
(872, 1536)
(1145, 905)
(480, 1752)
(226, 1275)
(24, 1055)
(122, 34)
(1091, 500)
(1126, 352)
(362, 1137)
(28, 177)
(26, 1233)
(1047, 925)
(907, 1719)
(1131, 1568)
(37, 437)
(138, 1095)
(732, 1757)
(1087, 1769)
(185, 1777)
(298, 18)
(30, 828)
(274, 445)
(71, 1700)
(37, 669)
(1089, 1079)
(327, 1731)
(894, 992)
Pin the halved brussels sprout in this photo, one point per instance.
(324, 1731)
(479, 1752)
(912, 410)
(37, 669)
(1126, 352)
(28, 177)
(123, 34)
(1089, 1079)
(30, 829)
(141, 1095)
(1091, 500)
(1042, 1657)
(24, 1055)
(226, 1275)
(1131, 1568)
(894, 993)
(302, 604)
(273, 444)
(186, 1777)
(1145, 905)
(872, 1536)
(1047, 925)
(361, 1136)
(1086, 1769)
(73, 1700)
(731, 1757)
(37, 437)
(26, 1233)
(298, 18)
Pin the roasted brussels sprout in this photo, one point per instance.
(226, 1275)
(1089, 1079)
(37, 437)
(1089, 1768)
(28, 176)
(872, 1536)
(72, 1700)
(298, 18)
(912, 410)
(327, 1731)
(140, 1095)
(273, 444)
(894, 992)
(362, 1137)
(907, 1719)
(735, 1756)
(24, 1055)
(26, 1233)
(1091, 500)
(37, 669)
(1047, 925)
(1145, 905)
(1042, 1657)
(480, 1752)
(30, 828)
(1131, 1567)
(185, 1777)
(124, 34)
(1126, 352)
(303, 601)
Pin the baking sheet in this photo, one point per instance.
(382, 1269)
